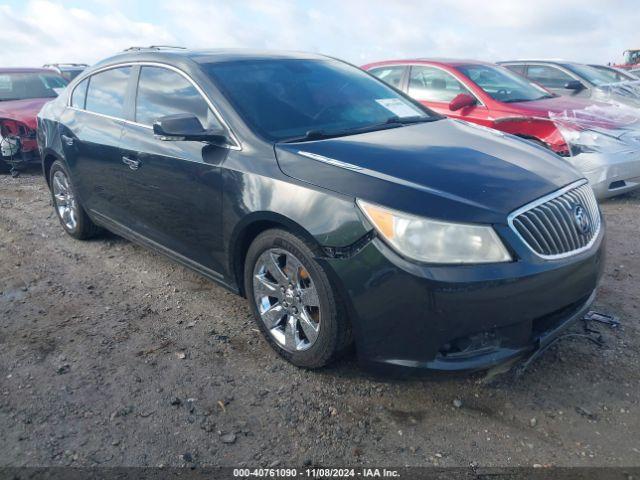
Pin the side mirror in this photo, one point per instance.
(462, 100)
(575, 85)
(185, 126)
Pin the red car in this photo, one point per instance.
(23, 92)
(493, 96)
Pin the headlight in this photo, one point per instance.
(590, 141)
(434, 241)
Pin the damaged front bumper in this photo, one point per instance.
(407, 316)
(609, 174)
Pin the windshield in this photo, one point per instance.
(282, 99)
(503, 85)
(20, 86)
(613, 74)
(71, 74)
(592, 75)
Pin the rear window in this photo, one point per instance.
(107, 91)
(25, 85)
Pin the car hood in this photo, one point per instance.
(24, 111)
(625, 93)
(585, 113)
(541, 108)
(443, 169)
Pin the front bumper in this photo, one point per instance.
(462, 317)
(609, 174)
(22, 158)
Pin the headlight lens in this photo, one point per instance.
(589, 141)
(434, 241)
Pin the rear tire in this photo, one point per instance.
(72, 216)
(293, 302)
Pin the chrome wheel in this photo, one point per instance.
(287, 300)
(65, 201)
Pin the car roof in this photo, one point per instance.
(451, 62)
(205, 55)
(554, 61)
(26, 70)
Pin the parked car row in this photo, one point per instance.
(342, 208)
(23, 92)
(571, 109)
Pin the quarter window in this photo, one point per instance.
(390, 75)
(164, 92)
(434, 85)
(107, 90)
(80, 94)
(549, 77)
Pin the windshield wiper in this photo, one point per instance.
(409, 120)
(514, 100)
(391, 122)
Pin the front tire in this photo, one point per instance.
(293, 302)
(67, 206)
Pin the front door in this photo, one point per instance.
(174, 187)
(555, 79)
(435, 88)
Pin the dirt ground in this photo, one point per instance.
(113, 355)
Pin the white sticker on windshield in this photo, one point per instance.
(398, 107)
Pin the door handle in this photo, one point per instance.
(132, 163)
(66, 139)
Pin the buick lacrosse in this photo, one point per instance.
(344, 211)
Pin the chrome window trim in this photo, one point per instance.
(545, 199)
(237, 145)
(455, 77)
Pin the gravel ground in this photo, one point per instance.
(113, 355)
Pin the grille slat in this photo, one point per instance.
(561, 224)
(564, 226)
(556, 226)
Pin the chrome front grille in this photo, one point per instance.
(561, 224)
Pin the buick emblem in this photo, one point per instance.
(581, 219)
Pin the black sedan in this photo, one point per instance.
(343, 210)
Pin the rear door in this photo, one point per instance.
(435, 88)
(90, 131)
(175, 187)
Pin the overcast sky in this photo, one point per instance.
(34, 32)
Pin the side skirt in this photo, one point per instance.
(135, 237)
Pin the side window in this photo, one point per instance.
(79, 94)
(390, 75)
(519, 69)
(549, 77)
(107, 90)
(434, 85)
(164, 92)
